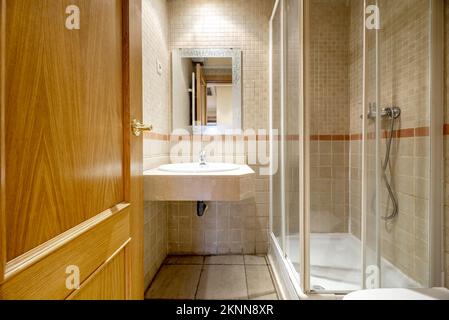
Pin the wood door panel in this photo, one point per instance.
(64, 118)
(44, 275)
(70, 169)
(109, 283)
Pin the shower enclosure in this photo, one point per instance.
(356, 144)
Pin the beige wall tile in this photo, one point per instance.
(156, 112)
(185, 260)
(224, 260)
(243, 25)
(224, 24)
(155, 238)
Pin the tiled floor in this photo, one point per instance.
(214, 278)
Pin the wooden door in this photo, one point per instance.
(71, 170)
(201, 98)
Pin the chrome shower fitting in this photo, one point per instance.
(389, 112)
(203, 158)
(392, 112)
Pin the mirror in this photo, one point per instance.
(206, 86)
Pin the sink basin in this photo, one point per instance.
(197, 168)
(192, 182)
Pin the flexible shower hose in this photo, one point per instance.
(385, 166)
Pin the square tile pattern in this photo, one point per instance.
(231, 277)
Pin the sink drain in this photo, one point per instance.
(201, 208)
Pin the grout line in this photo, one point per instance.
(234, 264)
(246, 279)
(154, 279)
(199, 279)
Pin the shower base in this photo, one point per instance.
(336, 264)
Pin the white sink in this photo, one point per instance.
(197, 168)
(192, 182)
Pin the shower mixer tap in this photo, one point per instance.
(387, 112)
(203, 158)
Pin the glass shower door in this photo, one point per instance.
(352, 114)
(276, 178)
(371, 146)
(286, 122)
(293, 126)
(397, 144)
(369, 64)
(334, 107)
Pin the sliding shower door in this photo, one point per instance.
(293, 126)
(371, 142)
(370, 67)
(334, 105)
(356, 114)
(286, 123)
(397, 141)
(277, 104)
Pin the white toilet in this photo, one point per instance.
(400, 294)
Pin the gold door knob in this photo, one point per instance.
(138, 128)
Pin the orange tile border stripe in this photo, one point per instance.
(155, 136)
(403, 133)
(446, 130)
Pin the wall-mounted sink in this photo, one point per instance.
(195, 182)
(198, 168)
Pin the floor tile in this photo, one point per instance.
(185, 260)
(259, 281)
(255, 260)
(175, 282)
(272, 296)
(225, 260)
(222, 282)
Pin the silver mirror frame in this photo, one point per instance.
(236, 55)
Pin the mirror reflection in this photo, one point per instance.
(204, 93)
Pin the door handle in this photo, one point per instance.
(138, 128)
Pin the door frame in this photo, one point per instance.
(133, 95)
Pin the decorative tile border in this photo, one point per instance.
(335, 137)
(398, 134)
(446, 130)
(156, 136)
(209, 138)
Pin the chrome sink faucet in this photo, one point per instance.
(203, 158)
